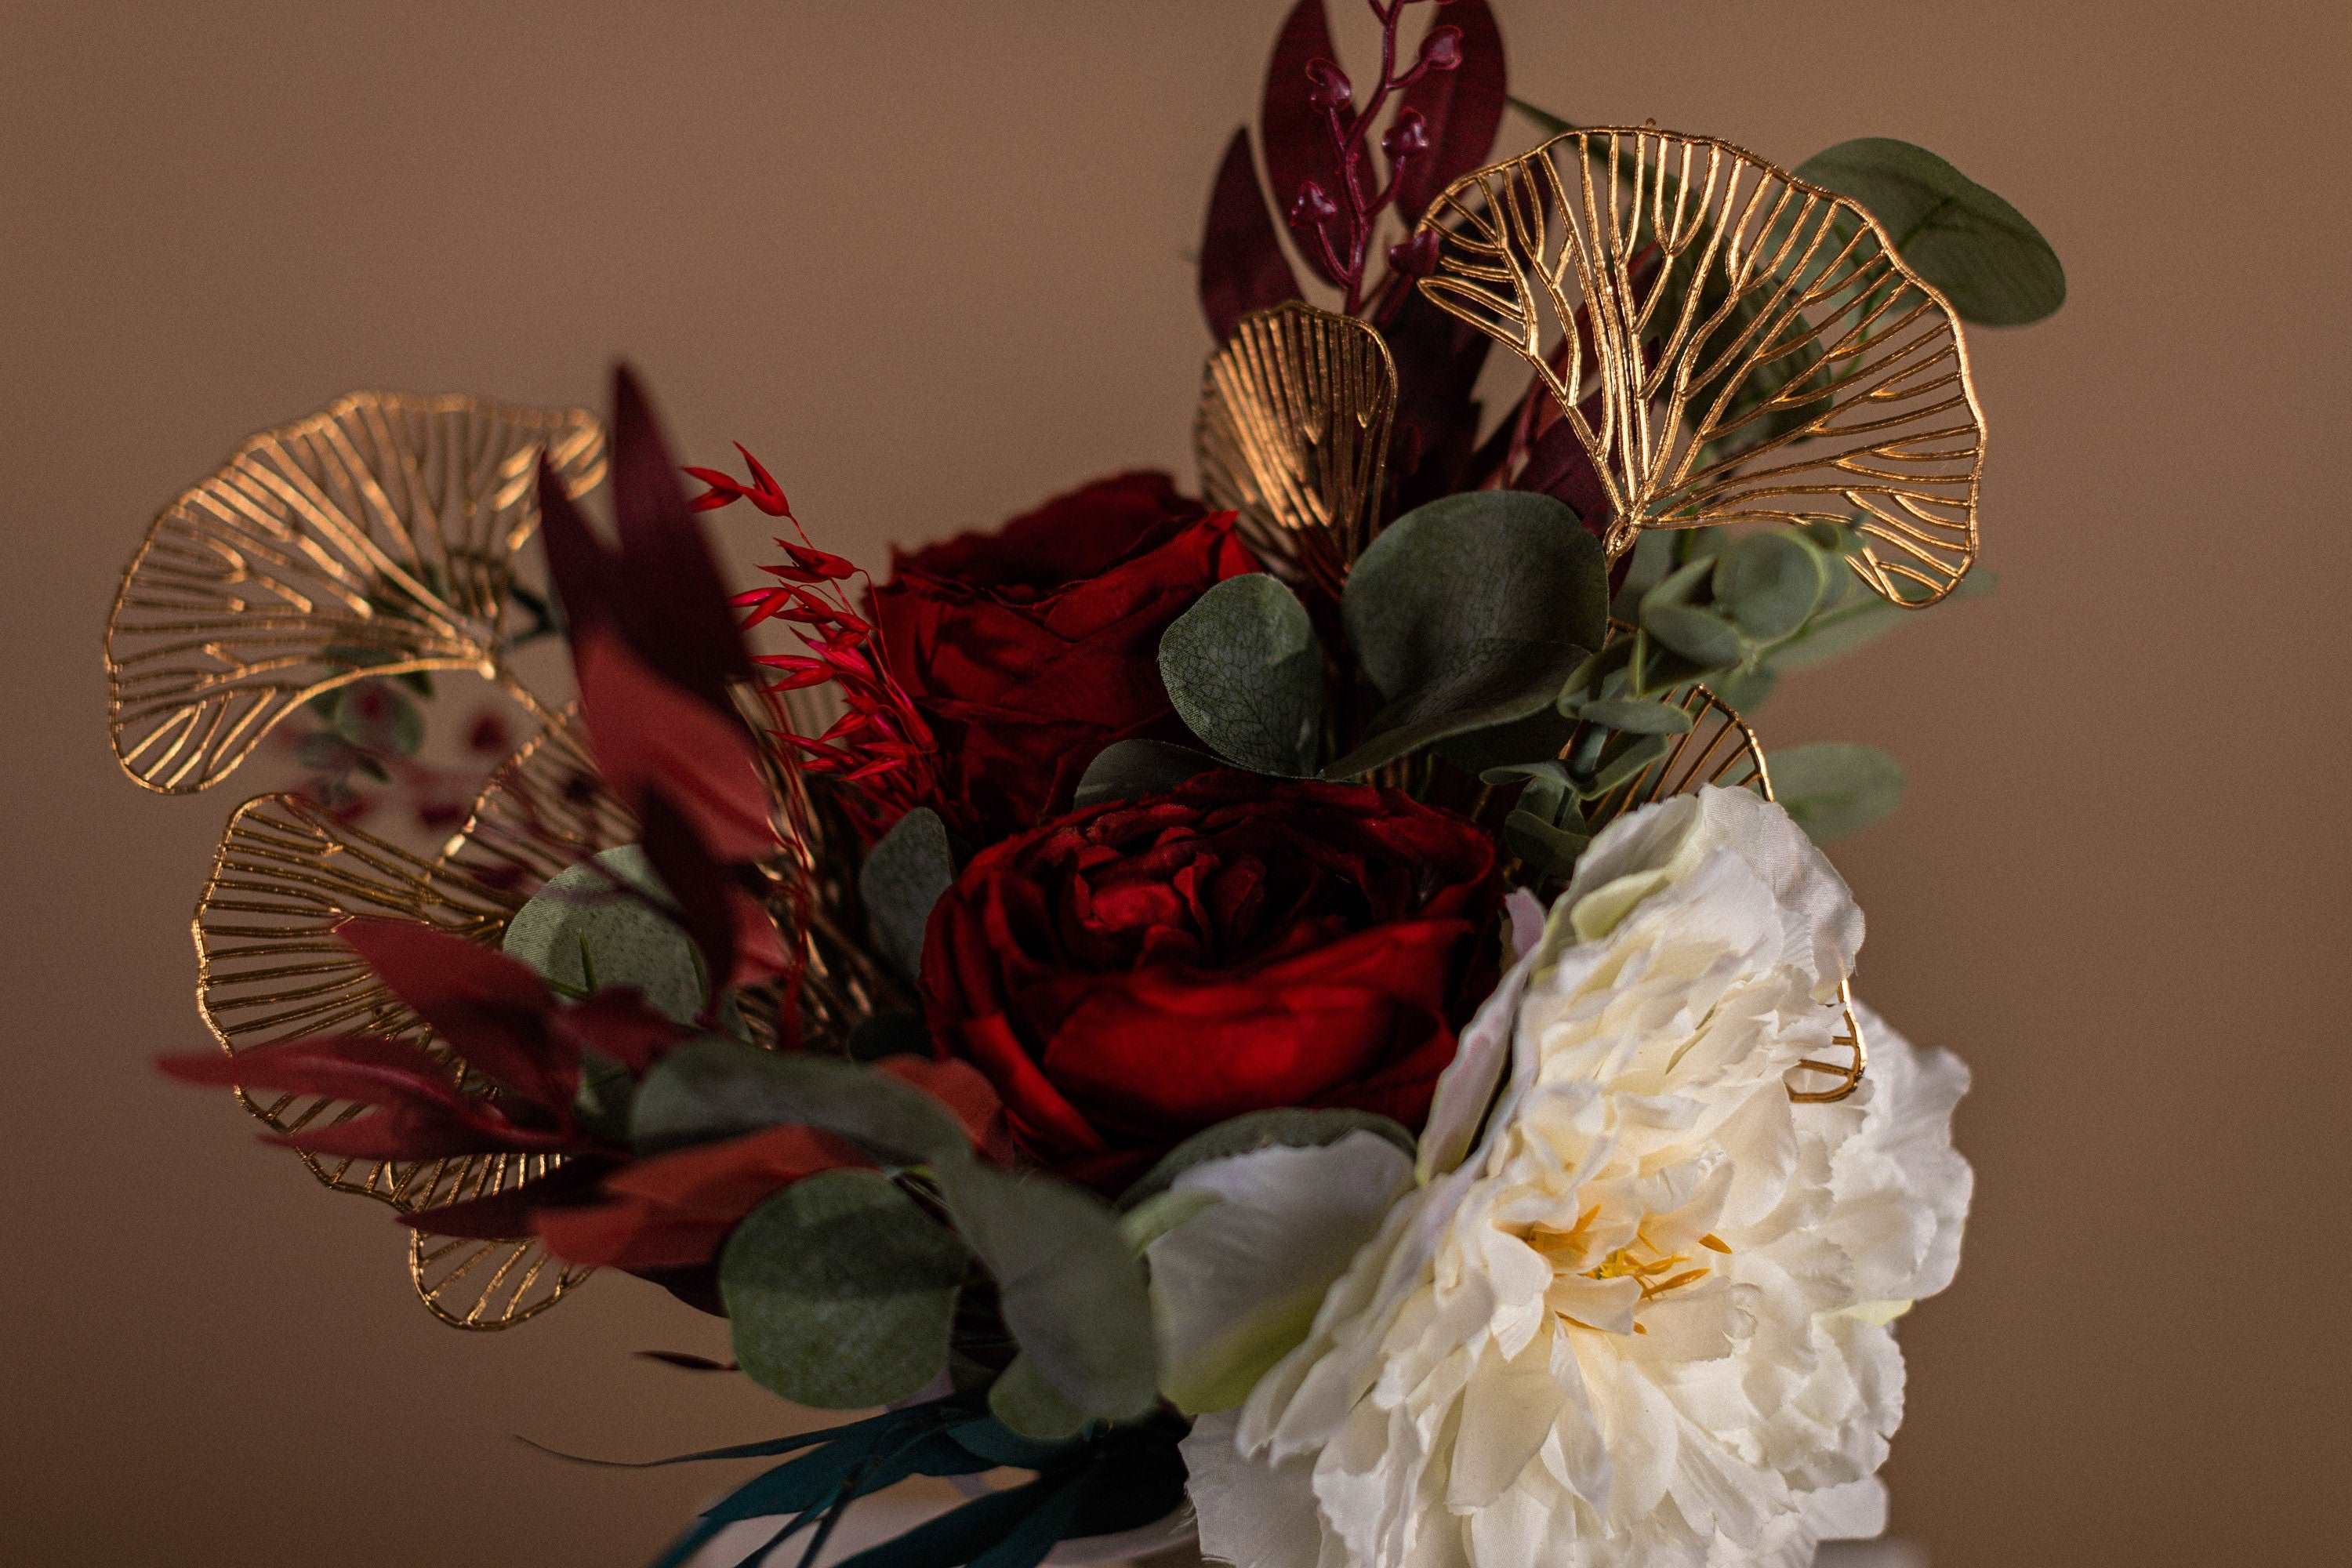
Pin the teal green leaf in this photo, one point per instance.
(840, 1292)
(1126, 768)
(1834, 789)
(1470, 611)
(904, 875)
(1295, 1128)
(602, 922)
(712, 1089)
(1245, 674)
(1979, 251)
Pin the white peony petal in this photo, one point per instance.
(1252, 1514)
(1238, 1286)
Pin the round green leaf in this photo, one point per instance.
(712, 1088)
(903, 877)
(1988, 260)
(1126, 769)
(1245, 674)
(602, 923)
(1636, 715)
(1835, 789)
(1769, 582)
(841, 1292)
(1700, 636)
(1470, 611)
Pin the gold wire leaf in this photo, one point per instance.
(271, 968)
(1758, 349)
(373, 538)
(1293, 433)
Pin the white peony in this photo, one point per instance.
(1642, 1317)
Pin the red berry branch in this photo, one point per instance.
(1356, 211)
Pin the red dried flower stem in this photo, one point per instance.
(1349, 138)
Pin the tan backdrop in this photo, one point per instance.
(928, 259)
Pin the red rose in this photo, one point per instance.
(1139, 970)
(1030, 649)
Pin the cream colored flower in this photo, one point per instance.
(1642, 1316)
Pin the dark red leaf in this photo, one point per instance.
(491, 1009)
(365, 1070)
(617, 1022)
(507, 1215)
(687, 1361)
(1243, 267)
(695, 879)
(1463, 107)
(585, 573)
(676, 614)
(650, 736)
(1294, 134)
(423, 1132)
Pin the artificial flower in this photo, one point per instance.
(1029, 649)
(1646, 1320)
(1139, 970)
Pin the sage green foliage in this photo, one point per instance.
(1125, 769)
(1070, 1286)
(1245, 673)
(840, 1292)
(604, 921)
(1976, 249)
(1029, 1406)
(1469, 612)
(1291, 1128)
(1834, 789)
(904, 875)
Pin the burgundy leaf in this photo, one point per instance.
(1294, 132)
(1243, 267)
(367, 1069)
(677, 614)
(696, 880)
(650, 737)
(617, 1022)
(423, 1132)
(491, 1009)
(1463, 107)
(687, 1361)
(585, 575)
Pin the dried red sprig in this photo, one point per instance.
(880, 743)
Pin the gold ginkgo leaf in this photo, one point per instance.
(1759, 350)
(271, 968)
(1293, 434)
(373, 538)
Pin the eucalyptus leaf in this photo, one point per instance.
(1470, 611)
(1550, 851)
(1769, 582)
(1245, 674)
(605, 922)
(1069, 1286)
(1286, 1127)
(1700, 636)
(1126, 768)
(1978, 250)
(840, 1292)
(1623, 757)
(1636, 715)
(1834, 789)
(904, 875)
(712, 1088)
(1028, 1406)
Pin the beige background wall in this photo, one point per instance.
(924, 259)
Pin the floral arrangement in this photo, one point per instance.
(1303, 1016)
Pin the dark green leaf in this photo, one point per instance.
(1994, 266)
(903, 877)
(1470, 611)
(1835, 789)
(1295, 1128)
(841, 1292)
(1069, 1289)
(962, 1534)
(1622, 758)
(1126, 768)
(1636, 715)
(602, 923)
(1549, 851)
(1700, 636)
(713, 1088)
(1245, 674)
(1769, 582)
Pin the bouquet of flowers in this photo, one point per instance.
(1304, 1015)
